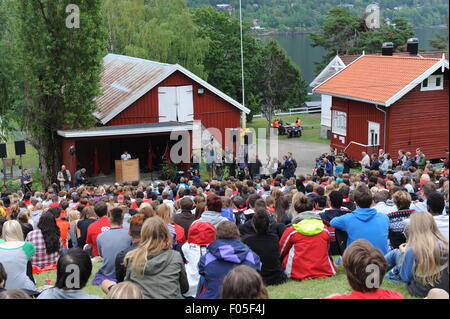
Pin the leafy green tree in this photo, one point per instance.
(279, 82)
(157, 30)
(441, 40)
(6, 74)
(222, 62)
(58, 71)
(340, 33)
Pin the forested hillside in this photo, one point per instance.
(310, 14)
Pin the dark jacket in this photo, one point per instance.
(266, 247)
(222, 256)
(247, 229)
(121, 270)
(184, 219)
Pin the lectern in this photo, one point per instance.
(127, 171)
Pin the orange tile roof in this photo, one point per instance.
(376, 78)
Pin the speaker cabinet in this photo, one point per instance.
(20, 147)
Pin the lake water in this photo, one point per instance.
(304, 55)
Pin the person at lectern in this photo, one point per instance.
(125, 156)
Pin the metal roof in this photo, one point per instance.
(143, 128)
(125, 79)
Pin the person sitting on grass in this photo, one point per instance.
(110, 243)
(75, 262)
(304, 246)
(225, 253)
(125, 290)
(265, 244)
(358, 258)
(243, 282)
(422, 262)
(156, 268)
(364, 222)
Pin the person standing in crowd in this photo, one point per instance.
(157, 269)
(125, 156)
(26, 181)
(420, 159)
(47, 241)
(63, 289)
(365, 161)
(80, 178)
(64, 178)
(226, 252)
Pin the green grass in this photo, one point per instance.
(292, 289)
(308, 134)
(321, 288)
(29, 160)
(89, 289)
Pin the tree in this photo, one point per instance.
(6, 74)
(339, 34)
(157, 30)
(279, 81)
(58, 70)
(222, 63)
(441, 40)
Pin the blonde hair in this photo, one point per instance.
(155, 237)
(297, 196)
(73, 214)
(125, 290)
(423, 236)
(12, 231)
(163, 211)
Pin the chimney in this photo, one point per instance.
(412, 46)
(387, 48)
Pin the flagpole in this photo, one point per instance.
(242, 63)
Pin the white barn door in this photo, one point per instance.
(176, 103)
(185, 105)
(167, 108)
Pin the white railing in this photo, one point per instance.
(296, 110)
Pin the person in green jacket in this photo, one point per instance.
(421, 159)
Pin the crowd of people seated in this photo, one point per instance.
(230, 238)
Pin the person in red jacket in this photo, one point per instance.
(98, 227)
(365, 267)
(304, 248)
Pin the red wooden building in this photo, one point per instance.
(142, 102)
(390, 102)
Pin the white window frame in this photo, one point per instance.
(432, 80)
(376, 128)
(339, 122)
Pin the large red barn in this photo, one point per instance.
(141, 103)
(390, 102)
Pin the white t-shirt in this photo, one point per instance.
(125, 157)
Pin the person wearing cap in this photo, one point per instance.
(304, 248)
(200, 235)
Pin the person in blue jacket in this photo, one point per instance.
(328, 167)
(364, 222)
(225, 253)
